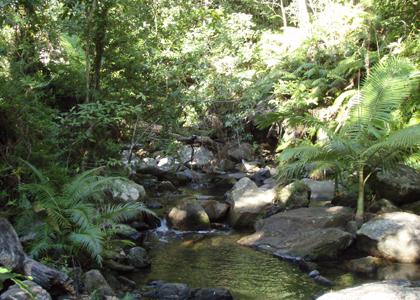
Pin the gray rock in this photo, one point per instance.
(227, 165)
(381, 206)
(11, 251)
(216, 210)
(368, 264)
(412, 207)
(293, 195)
(321, 190)
(394, 236)
(240, 152)
(313, 233)
(128, 191)
(189, 215)
(395, 271)
(127, 232)
(95, 282)
(211, 294)
(400, 185)
(173, 291)
(247, 203)
(168, 164)
(202, 156)
(166, 186)
(16, 293)
(138, 257)
(389, 290)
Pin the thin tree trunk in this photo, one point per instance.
(89, 16)
(99, 41)
(360, 197)
(303, 15)
(283, 14)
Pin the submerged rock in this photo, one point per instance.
(313, 233)
(189, 215)
(211, 294)
(394, 236)
(15, 292)
(365, 265)
(400, 185)
(389, 290)
(169, 291)
(247, 203)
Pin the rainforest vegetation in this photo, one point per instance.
(322, 89)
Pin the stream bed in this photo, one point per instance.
(214, 259)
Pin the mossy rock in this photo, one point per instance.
(189, 215)
(294, 195)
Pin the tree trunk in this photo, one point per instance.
(283, 14)
(303, 15)
(88, 52)
(99, 42)
(360, 197)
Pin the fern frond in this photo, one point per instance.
(122, 212)
(384, 91)
(91, 240)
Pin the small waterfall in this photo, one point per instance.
(163, 226)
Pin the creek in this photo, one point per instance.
(214, 259)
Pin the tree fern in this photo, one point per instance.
(366, 134)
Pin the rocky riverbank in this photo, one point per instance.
(304, 222)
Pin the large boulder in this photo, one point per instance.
(216, 210)
(13, 258)
(394, 236)
(95, 282)
(247, 203)
(294, 195)
(127, 191)
(15, 292)
(202, 156)
(314, 233)
(240, 152)
(189, 215)
(11, 251)
(386, 290)
(400, 185)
